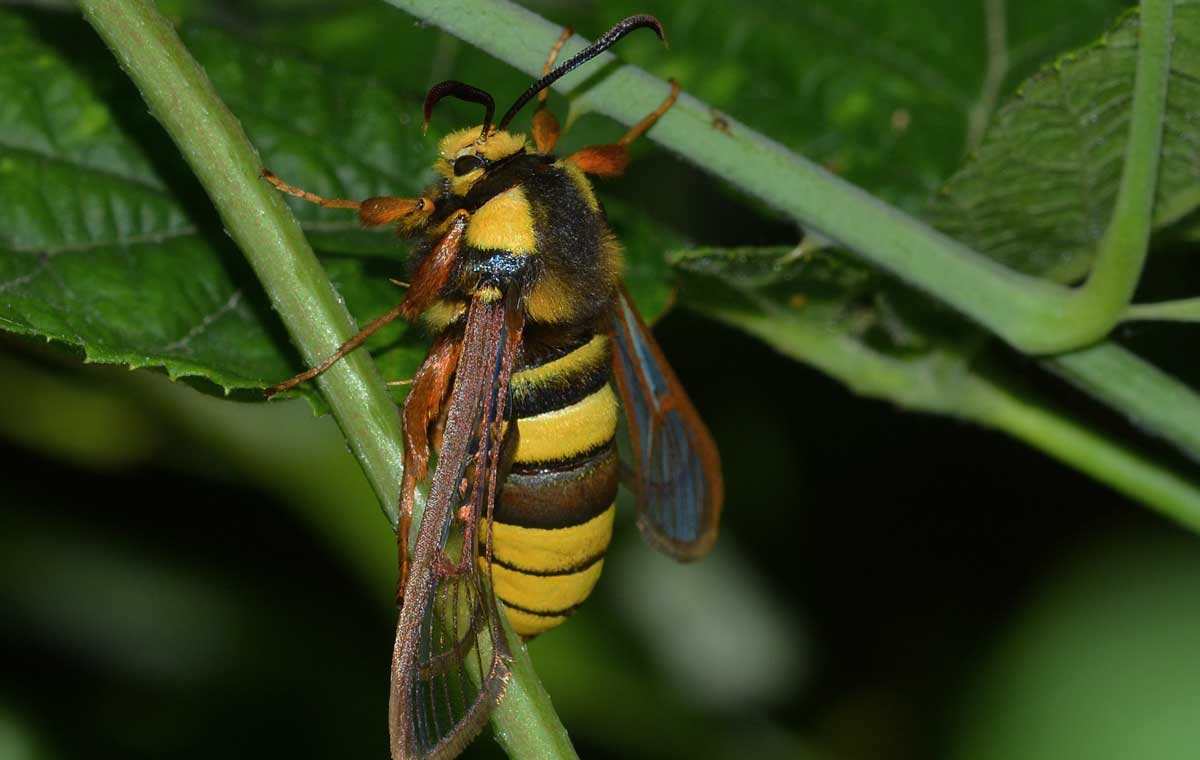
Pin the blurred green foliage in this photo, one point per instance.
(184, 575)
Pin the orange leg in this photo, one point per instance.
(636, 131)
(422, 408)
(372, 212)
(434, 270)
(545, 126)
(344, 349)
(611, 160)
(428, 282)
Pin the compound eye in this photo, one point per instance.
(467, 164)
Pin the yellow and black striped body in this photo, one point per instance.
(554, 518)
(535, 225)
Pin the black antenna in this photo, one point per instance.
(609, 39)
(453, 89)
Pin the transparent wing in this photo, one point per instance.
(676, 468)
(450, 663)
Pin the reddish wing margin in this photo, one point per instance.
(677, 471)
(450, 663)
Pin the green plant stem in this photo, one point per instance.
(1183, 310)
(212, 141)
(227, 165)
(1031, 314)
(525, 723)
(1120, 467)
(968, 394)
(1100, 304)
(1150, 398)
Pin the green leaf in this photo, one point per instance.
(1040, 191)
(94, 251)
(108, 246)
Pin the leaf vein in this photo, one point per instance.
(151, 237)
(76, 164)
(230, 304)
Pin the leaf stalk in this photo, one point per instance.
(1099, 305)
(1183, 310)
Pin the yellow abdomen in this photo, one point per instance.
(554, 518)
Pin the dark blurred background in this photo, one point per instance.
(186, 576)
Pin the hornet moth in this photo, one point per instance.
(515, 272)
